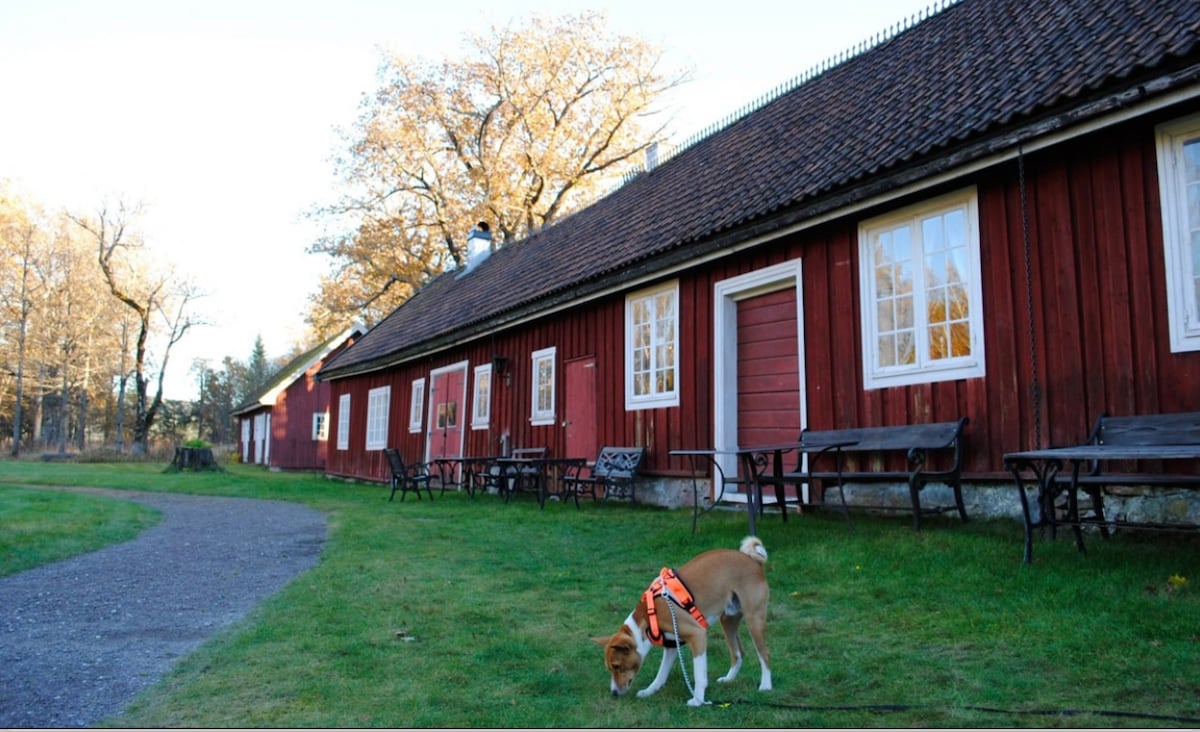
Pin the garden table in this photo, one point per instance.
(1045, 465)
(763, 464)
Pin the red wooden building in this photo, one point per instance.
(990, 213)
(286, 424)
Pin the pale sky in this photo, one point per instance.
(219, 115)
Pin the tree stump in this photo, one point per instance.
(194, 459)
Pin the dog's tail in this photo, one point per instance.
(753, 546)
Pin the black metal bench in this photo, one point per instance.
(408, 476)
(918, 442)
(612, 475)
(1152, 432)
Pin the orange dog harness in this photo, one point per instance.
(669, 586)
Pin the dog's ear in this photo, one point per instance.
(601, 640)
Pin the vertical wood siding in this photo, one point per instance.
(1094, 236)
(292, 443)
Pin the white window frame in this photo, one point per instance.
(343, 426)
(925, 370)
(481, 399)
(416, 406)
(320, 430)
(1183, 274)
(378, 402)
(656, 397)
(543, 413)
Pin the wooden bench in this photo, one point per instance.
(1146, 433)
(408, 476)
(917, 442)
(612, 475)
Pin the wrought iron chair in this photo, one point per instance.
(407, 476)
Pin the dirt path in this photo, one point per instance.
(81, 637)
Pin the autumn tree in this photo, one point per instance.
(531, 123)
(54, 343)
(159, 304)
(20, 247)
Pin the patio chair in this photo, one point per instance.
(408, 476)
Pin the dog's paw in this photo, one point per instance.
(726, 678)
(694, 702)
(645, 693)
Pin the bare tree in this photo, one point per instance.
(159, 305)
(534, 122)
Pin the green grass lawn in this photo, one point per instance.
(39, 526)
(468, 612)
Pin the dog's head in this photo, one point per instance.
(621, 657)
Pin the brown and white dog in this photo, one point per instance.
(719, 584)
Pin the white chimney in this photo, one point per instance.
(479, 246)
(652, 156)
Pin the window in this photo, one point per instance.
(1179, 189)
(651, 348)
(343, 428)
(377, 417)
(320, 426)
(543, 387)
(921, 297)
(481, 401)
(416, 408)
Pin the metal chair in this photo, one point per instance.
(407, 477)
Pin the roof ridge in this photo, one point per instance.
(782, 89)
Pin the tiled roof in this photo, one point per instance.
(965, 74)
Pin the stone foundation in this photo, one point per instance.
(982, 500)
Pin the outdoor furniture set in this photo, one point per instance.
(765, 465)
(610, 475)
(1120, 451)
(1111, 456)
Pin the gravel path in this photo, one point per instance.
(81, 637)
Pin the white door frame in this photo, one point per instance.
(260, 437)
(726, 295)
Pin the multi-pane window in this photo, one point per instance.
(343, 426)
(320, 426)
(921, 298)
(1179, 188)
(377, 417)
(416, 406)
(652, 347)
(481, 401)
(543, 387)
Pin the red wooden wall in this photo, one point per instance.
(1099, 340)
(292, 443)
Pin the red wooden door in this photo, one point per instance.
(768, 371)
(447, 397)
(579, 420)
